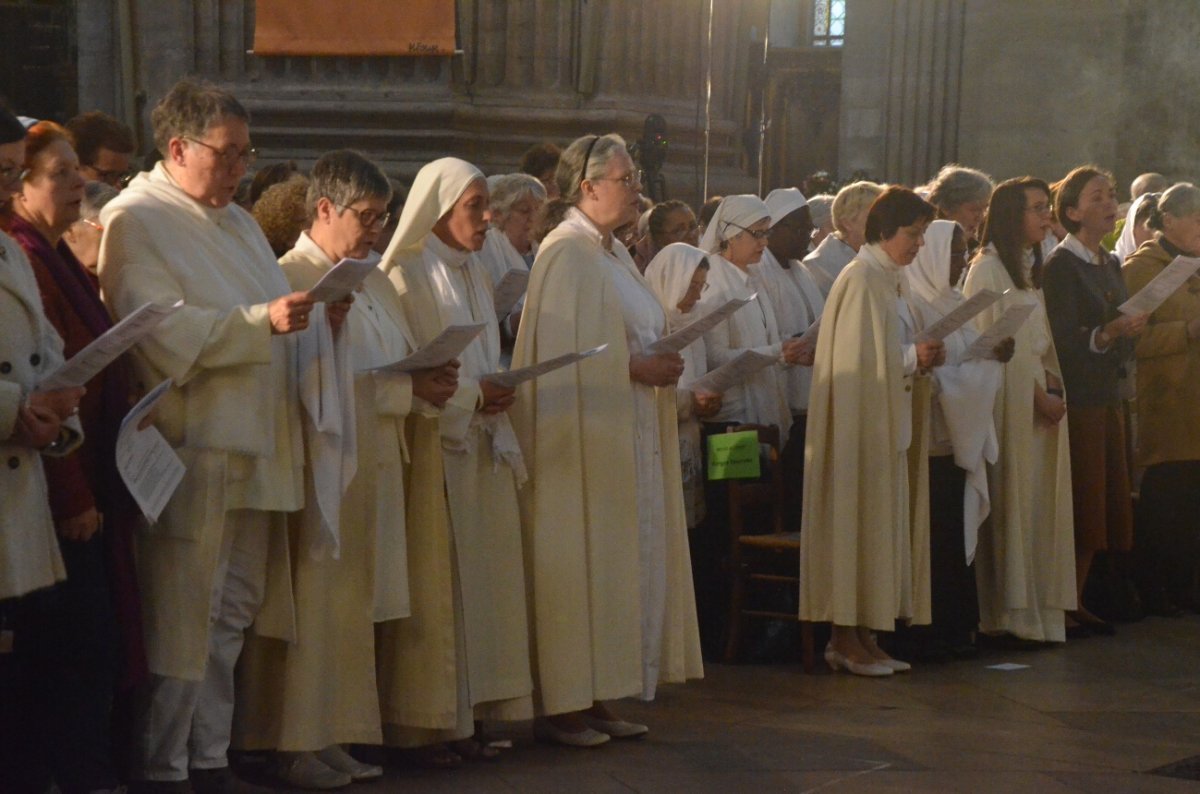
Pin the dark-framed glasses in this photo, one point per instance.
(369, 218)
(230, 156)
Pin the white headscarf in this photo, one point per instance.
(783, 201)
(1126, 245)
(929, 274)
(438, 185)
(734, 215)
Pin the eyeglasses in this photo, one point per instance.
(629, 180)
(702, 286)
(1042, 209)
(116, 179)
(757, 234)
(11, 174)
(368, 218)
(230, 156)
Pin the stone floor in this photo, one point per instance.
(1094, 716)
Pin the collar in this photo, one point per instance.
(161, 174)
(451, 256)
(306, 246)
(582, 222)
(1072, 244)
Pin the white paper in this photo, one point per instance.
(673, 343)
(514, 377)
(342, 279)
(733, 372)
(810, 333)
(107, 347)
(1007, 325)
(958, 316)
(446, 346)
(1161, 287)
(1008, 666)
(150, 468)
(509, 290)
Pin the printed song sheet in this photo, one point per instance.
(509, 290)
(809, 336)
(733, 372)
(342, 279)
(514, 377)
(150, 468)
(105, 349)
(1161, 287)
(674, 342)
(959, 316)
(1009, 323)
(446, 346)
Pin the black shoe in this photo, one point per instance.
(1079, 631)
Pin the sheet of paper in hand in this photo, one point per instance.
(106, 348)
(1007, 325)
(733, 372)
(674, 342)
(448, 345)
(342, 279)
(959, 316)
(1161, 287)
(149, 467)
(514, 377)
(733, 456)
(509, 290)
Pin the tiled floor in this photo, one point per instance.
(1094, 716)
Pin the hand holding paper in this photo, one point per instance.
(107, 347)
(959, 316)
(1161, 287)
(733, 372)
(674, 342)
(1006, 327)
(342, 279)
(448, 345)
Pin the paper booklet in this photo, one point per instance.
(448, 345)
(1161, 287)
(1009, 323)
(733, 372)
(958, 316)
(149, 467)
(342, 279)
(674, 342)
(509, 290)
(514, 377)
(105, 349)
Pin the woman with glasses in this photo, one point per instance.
(516, 201)
(1083, 288)
(431, 262)
(605, 530)
(864, 561)
(1025, 562)
(1168, 408)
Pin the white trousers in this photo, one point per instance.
(186, 724)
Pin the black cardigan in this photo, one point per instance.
(1080, 297)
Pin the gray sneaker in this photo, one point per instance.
(305, 770)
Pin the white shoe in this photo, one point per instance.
(837, 661)
(896, 665)
(305, 770)
(335, 757)
(618, 729)
(545, 731)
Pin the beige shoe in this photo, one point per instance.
(335, 757)
(304, 770)
(618, 729)
(545, 731)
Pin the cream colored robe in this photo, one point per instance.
(439, 287)
(581, 524)
(30, 349)
(321, 689)
(863, 560)
(234, 414)
(1025, 563)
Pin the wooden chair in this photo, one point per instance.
(750, 547)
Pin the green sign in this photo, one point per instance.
(733, 456)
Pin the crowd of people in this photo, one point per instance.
(365, 555)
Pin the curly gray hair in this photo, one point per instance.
(507, 189)
(189, 109)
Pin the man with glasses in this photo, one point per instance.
(233, 416)
(105, 147)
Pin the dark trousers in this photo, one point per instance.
(1167, 542)
(56, 685)
(952, 582)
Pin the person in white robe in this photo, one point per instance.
(678, 275)
(849, 212)
(440, 281)
(962, 439)
(308, 697)
(612, 604)
(863, 560)
(1025, 562)
(175, 235)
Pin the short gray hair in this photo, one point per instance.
(593, 152)
(189, 109)
(956, 185)
(852, 202)
(507, 189)
(1180, 201)
(95, 196)
(821, 209)
(344, 177)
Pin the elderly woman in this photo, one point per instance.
(54, 723)
(1083, 288)
(441, 282)
(1168, 409)
(849, 214)
(962, 441)
(516, 203)
(307, 698)
(1025, 564)
(85, 488)
(863, 562)
(83, 236)
(821, 208)
(174, 235)
(961, 195)
(610, 580)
